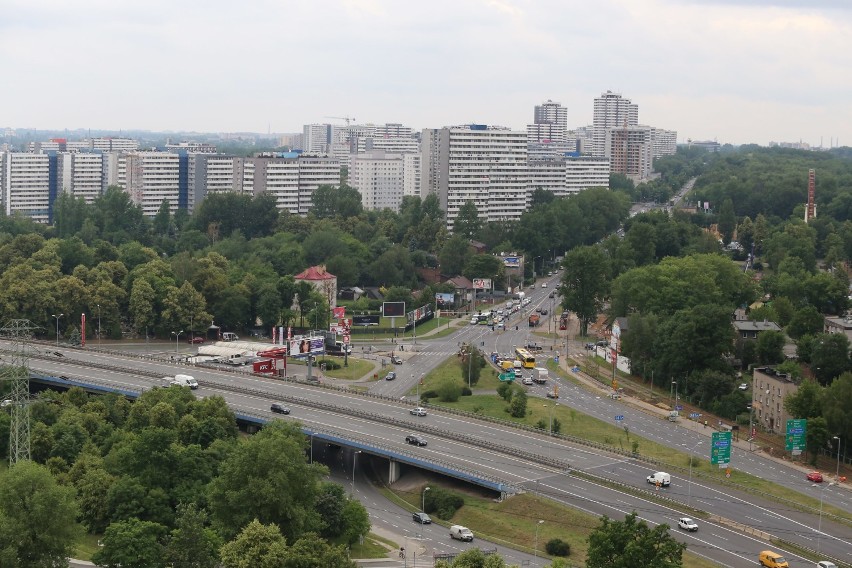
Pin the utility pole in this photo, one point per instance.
(20, 332)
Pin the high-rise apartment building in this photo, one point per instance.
(629, 151)
(611, 110)
(383, 178)
(316, 138)
(547, 136)
(81, 174)
(483, 164)
(29, 185)
(152, 177)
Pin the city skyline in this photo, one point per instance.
(738, 72)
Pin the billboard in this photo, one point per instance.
(393, 309)
(444, 300)
(365, 320)
(339, 312)
(481, 283)
(512, 261)
(307, 346)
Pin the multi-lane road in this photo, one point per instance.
(348, 415)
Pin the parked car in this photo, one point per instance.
(743, 386)
(390, 376)
(279, 408)
(419, 411)
(196, 339)
(826, 564)
(552, 295)
(422, 518)
(687, 524)
(396, 359)
(415, 440)
(544, 285)
(814, 476)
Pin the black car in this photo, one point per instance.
(414, 440)
(390, 376)
(422, 518)
(279, 409)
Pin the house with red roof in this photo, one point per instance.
(324, 282)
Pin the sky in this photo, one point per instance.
(735, 71)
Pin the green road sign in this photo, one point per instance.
(720, 449)
(795, 438)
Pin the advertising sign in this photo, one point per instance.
(481, 283)
(444, 301)
(365, 320)
(263, 366)
(512, 261)
(794, 441)
(339, 312)
(393, 309)
(307, 346)
(720, 450)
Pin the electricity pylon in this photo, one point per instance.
(16, 370)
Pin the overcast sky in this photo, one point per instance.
(736, 71)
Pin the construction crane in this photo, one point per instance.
(348, 119)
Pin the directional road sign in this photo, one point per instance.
(795, 438)
(720, 449)
(619, 417)
(679, 407)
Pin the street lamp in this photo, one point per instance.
(550, 428)
(671, 393)
(354, 456)
(423, 502)
(837, 471)
(177, 338)
(535, 549)
(99, 325)
(57, 327)
(689, 491)
(821, 496)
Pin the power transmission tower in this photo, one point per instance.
(16, 371)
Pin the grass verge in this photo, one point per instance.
(86, 547)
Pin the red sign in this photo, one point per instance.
(339, 312)
(274, 353)
(346, 339)
(263, 366)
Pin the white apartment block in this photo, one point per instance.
(114, 144)
(194, 147)
(315, 171)
(26, 185)
(611, 111)
(152, 177)
(483, 164)
(551, 120)
(316, 138)
(389, 145)
(81, 174)
(663, 142)
(379, 178)
(411, 175)
(569, 175)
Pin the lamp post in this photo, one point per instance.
(689, 490)
(312, 447)
(57, 327)
(354, 456)
(423, 500)
(99, 325)
(751, 421)
(837, 471)
(535, 548)
(550, 427)
(671, 393)
(821, 496)
(177, 338)
(191, 333)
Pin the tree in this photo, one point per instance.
(467, 223)
(454, 255)
(192, 544)
(473, 558)
(471, 365)
(806, 402)
(584, 283)
(310, 551)
(132, 544)
(693, 339)
(38, 524)
(829, 356)
(256, 546)
(727, 221)
(631, 542)
(816, 437)
(356, 521)
(518, 405)
(770, 347)
(836, 405)
(267, 478)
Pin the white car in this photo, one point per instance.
(544, 285)
(419, 411)
(527, 380)
(826, 564)
(743, 386)
(687, 524)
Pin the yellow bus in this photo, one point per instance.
(525, 357)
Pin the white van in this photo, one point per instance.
(228, 336)
(660, 478)
(185, 381)
(459, 532)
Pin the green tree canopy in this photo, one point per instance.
(630, 543)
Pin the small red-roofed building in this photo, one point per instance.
(324, 282)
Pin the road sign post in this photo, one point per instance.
(795, 438)
(720, 451)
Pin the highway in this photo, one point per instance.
(727, 545)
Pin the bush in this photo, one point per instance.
(466, 391)
(442, 503)
(505, 391)
(330, 364)
(557, 547)
(449, 391)
(541, 424)
(426, 395)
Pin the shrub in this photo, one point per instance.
(466, 391)
(557, 547)
(426, 395)
(505, 391)
(442, 503)
(449, 391)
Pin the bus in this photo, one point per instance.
(525, 357)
